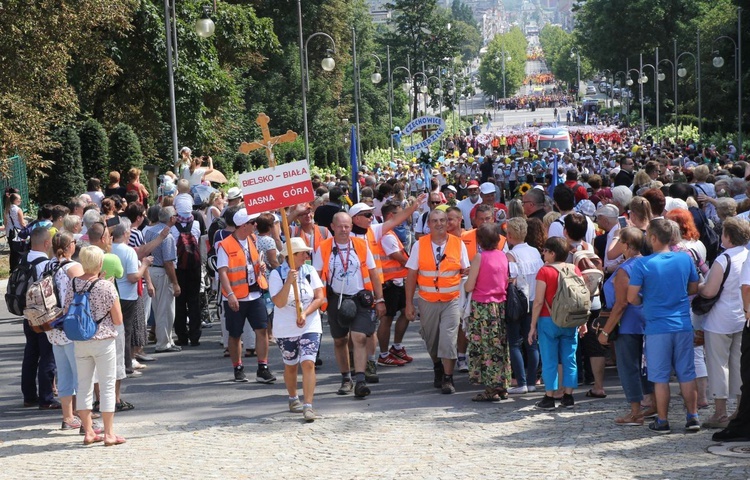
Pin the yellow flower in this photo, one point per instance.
(524, 188)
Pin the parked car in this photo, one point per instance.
(590, 90)
(616, 92)
(605, 87)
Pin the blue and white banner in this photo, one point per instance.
(424, 122)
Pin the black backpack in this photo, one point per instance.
(188, 253)
(708, 235)
(20, 280)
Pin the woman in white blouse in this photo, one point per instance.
(524, 262)
(298, 337)
(723, 324)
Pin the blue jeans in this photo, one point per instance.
(629, 350)
(525, 371)
(557, 345)
(38, 365)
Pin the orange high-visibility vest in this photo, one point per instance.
(393, 268)
(360, 248)
(439, 283)
(237, 267)
(318, 235)
(469, 238)
(377, 252)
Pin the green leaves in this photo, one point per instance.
(509, 45)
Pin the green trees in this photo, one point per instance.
(513, 44)
(94, 150)
(64, 178)
(124, 149)
(558, 45)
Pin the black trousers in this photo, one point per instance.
(38, 366)
(742, 422)
(187, 318)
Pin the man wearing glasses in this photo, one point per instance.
(467, 204)
(423, 227)
(533, 204)
(435, 265)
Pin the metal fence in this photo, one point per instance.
(15, 178)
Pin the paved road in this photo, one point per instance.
(190, 421)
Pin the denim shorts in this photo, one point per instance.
(668, 351)
(254, 311)
(296, 350)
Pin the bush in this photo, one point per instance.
(124, 149)
(65, 178)
(94, 150)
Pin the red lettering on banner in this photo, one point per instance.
(263, 201)
(294, 173)
(257, 181)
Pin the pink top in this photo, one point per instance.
(492, 280)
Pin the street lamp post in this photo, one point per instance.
(170, 31)
(327, 64)
(452, 93)
(390, 93)
(644, 79)
(617, 75)
(629, 82)
(718, 62)
(679, 71)
(574, 52)
(422, 90)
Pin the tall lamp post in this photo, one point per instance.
(505, 56)
(641, 81)
(375, 78)
(390, 93)
(678, 71)
(574, 53)
(617, 75)
(327, 64)
(422, 90)
(439, 92)
(718, 62)
(452, 93)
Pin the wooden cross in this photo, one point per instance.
(426, 130)
(268, 143)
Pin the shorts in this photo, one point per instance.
(254, 311)
(365, 322)
(590, 342)
(395, 298)
(439, 327)
(668, 351)
(296, 350)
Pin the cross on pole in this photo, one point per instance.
(268, 143)
(425, 131)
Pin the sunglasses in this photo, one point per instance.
(436, 203)
(366, 214)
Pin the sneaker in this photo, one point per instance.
(361, 390)
(568, 401)
(531, 388)
(462, 365)
(629, 420)
(546, 403)
(71, 425)
(518, 390)
(371, 372)
(134, 374)
(171, 349)
(659, 427)
(730, 435)
(390, 360)
(649, 413)
(95, 426)
(401, 353)
(309, 414)
(239, 374)
(295, 406)
(138, 365)
(693, 425)
(264, 375)
(447, 386)
(346, 387)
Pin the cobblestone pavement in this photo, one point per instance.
(191, 421)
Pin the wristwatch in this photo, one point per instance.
(379, 300)
(604, 333)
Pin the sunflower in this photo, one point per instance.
(524, 188)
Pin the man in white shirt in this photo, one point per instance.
(467, 205)
(422, 226)
(565, 201)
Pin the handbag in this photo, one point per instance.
(597, 325)
(516, 304)
(366, 298)
(702, 305)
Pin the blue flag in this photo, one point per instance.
(555, 180)
(355, 175)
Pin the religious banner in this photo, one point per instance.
(423, 122)
(277, 187)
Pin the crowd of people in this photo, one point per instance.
(481, 253)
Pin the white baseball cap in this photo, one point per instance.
(487, 188)
(234, 193)
(241, 217)
(358, 208)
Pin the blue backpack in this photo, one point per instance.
(77, 323)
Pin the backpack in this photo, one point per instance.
(591, 267)
(18, 284)
(708, 235)
(25, 232)
(43, 302)
(572, 301)
(188, 253)
(77, 323)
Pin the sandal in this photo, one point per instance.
(649, 413)
(486, 396)
(98, 438)
(123, 406)
(629, 420)
(118, 441)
